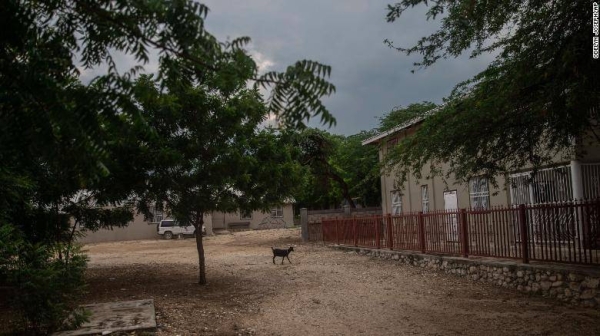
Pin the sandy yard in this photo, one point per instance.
(323, 292)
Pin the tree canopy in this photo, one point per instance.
(211, 154)
(538, 96)
(339, 169)
(400, 115)
(86, 151)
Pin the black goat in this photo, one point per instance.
(282, 253)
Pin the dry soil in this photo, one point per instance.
(322, 292)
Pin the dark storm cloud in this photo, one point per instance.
(370, 78)
(348, 35)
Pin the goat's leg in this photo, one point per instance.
(282, 259)
(273, 259)
(287, 256)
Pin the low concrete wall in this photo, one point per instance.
(138, 229)
(317, 215)
(259, 219)
(574, 284)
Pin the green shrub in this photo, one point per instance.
(45, 283)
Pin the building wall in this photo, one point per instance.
(138, 229)
(500, 196)
(259, 219)
(411, 192)
(588, 149)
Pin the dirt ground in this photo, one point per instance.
(323, 292)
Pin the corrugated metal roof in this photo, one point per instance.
(402, 126)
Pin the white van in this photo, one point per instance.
(169, 228)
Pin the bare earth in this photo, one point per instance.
(324, 292)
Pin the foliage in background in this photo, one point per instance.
(76, 153)
(401, 115)
(43, 289)
(539, 94)
(338, 170)
(211, 153)
(360, 168)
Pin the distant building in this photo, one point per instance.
(140, 229)
(568, 177)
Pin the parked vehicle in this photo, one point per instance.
(169, 228)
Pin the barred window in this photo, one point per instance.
(157, 215)
(396, 203)
(479, 193)
(425, 198)
(277, 211)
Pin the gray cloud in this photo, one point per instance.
(370, 78)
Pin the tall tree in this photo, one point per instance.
(59, 136)
(339, 168)
(539, 93)
(360, 167)
(316, 148)
(211, 153)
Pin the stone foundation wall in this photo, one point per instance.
(317, 215)
(578, 285)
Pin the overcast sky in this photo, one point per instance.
(370, 78)
(348, 35)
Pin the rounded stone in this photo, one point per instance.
(591, 283)
(575, 286)
(545, 285)
(589, 303)
(588, 294)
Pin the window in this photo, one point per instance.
(157, 215)
(168, 223)
(396, 203)
(425, 198)
(479, 193)
(245, 214)
(277, 211)
(547, 186)
(390, 144)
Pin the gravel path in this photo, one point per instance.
(323, 292)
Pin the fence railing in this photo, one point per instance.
(559, 232)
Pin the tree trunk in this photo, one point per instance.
(345, 189)
(200, 247)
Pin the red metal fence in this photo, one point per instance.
(560, 232)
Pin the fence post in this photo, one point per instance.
(465, 232)
(304, 224)
(355, 232)
(421, 232)
(390, 232)
(337, 231)
(524, 234)
(377, 234)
